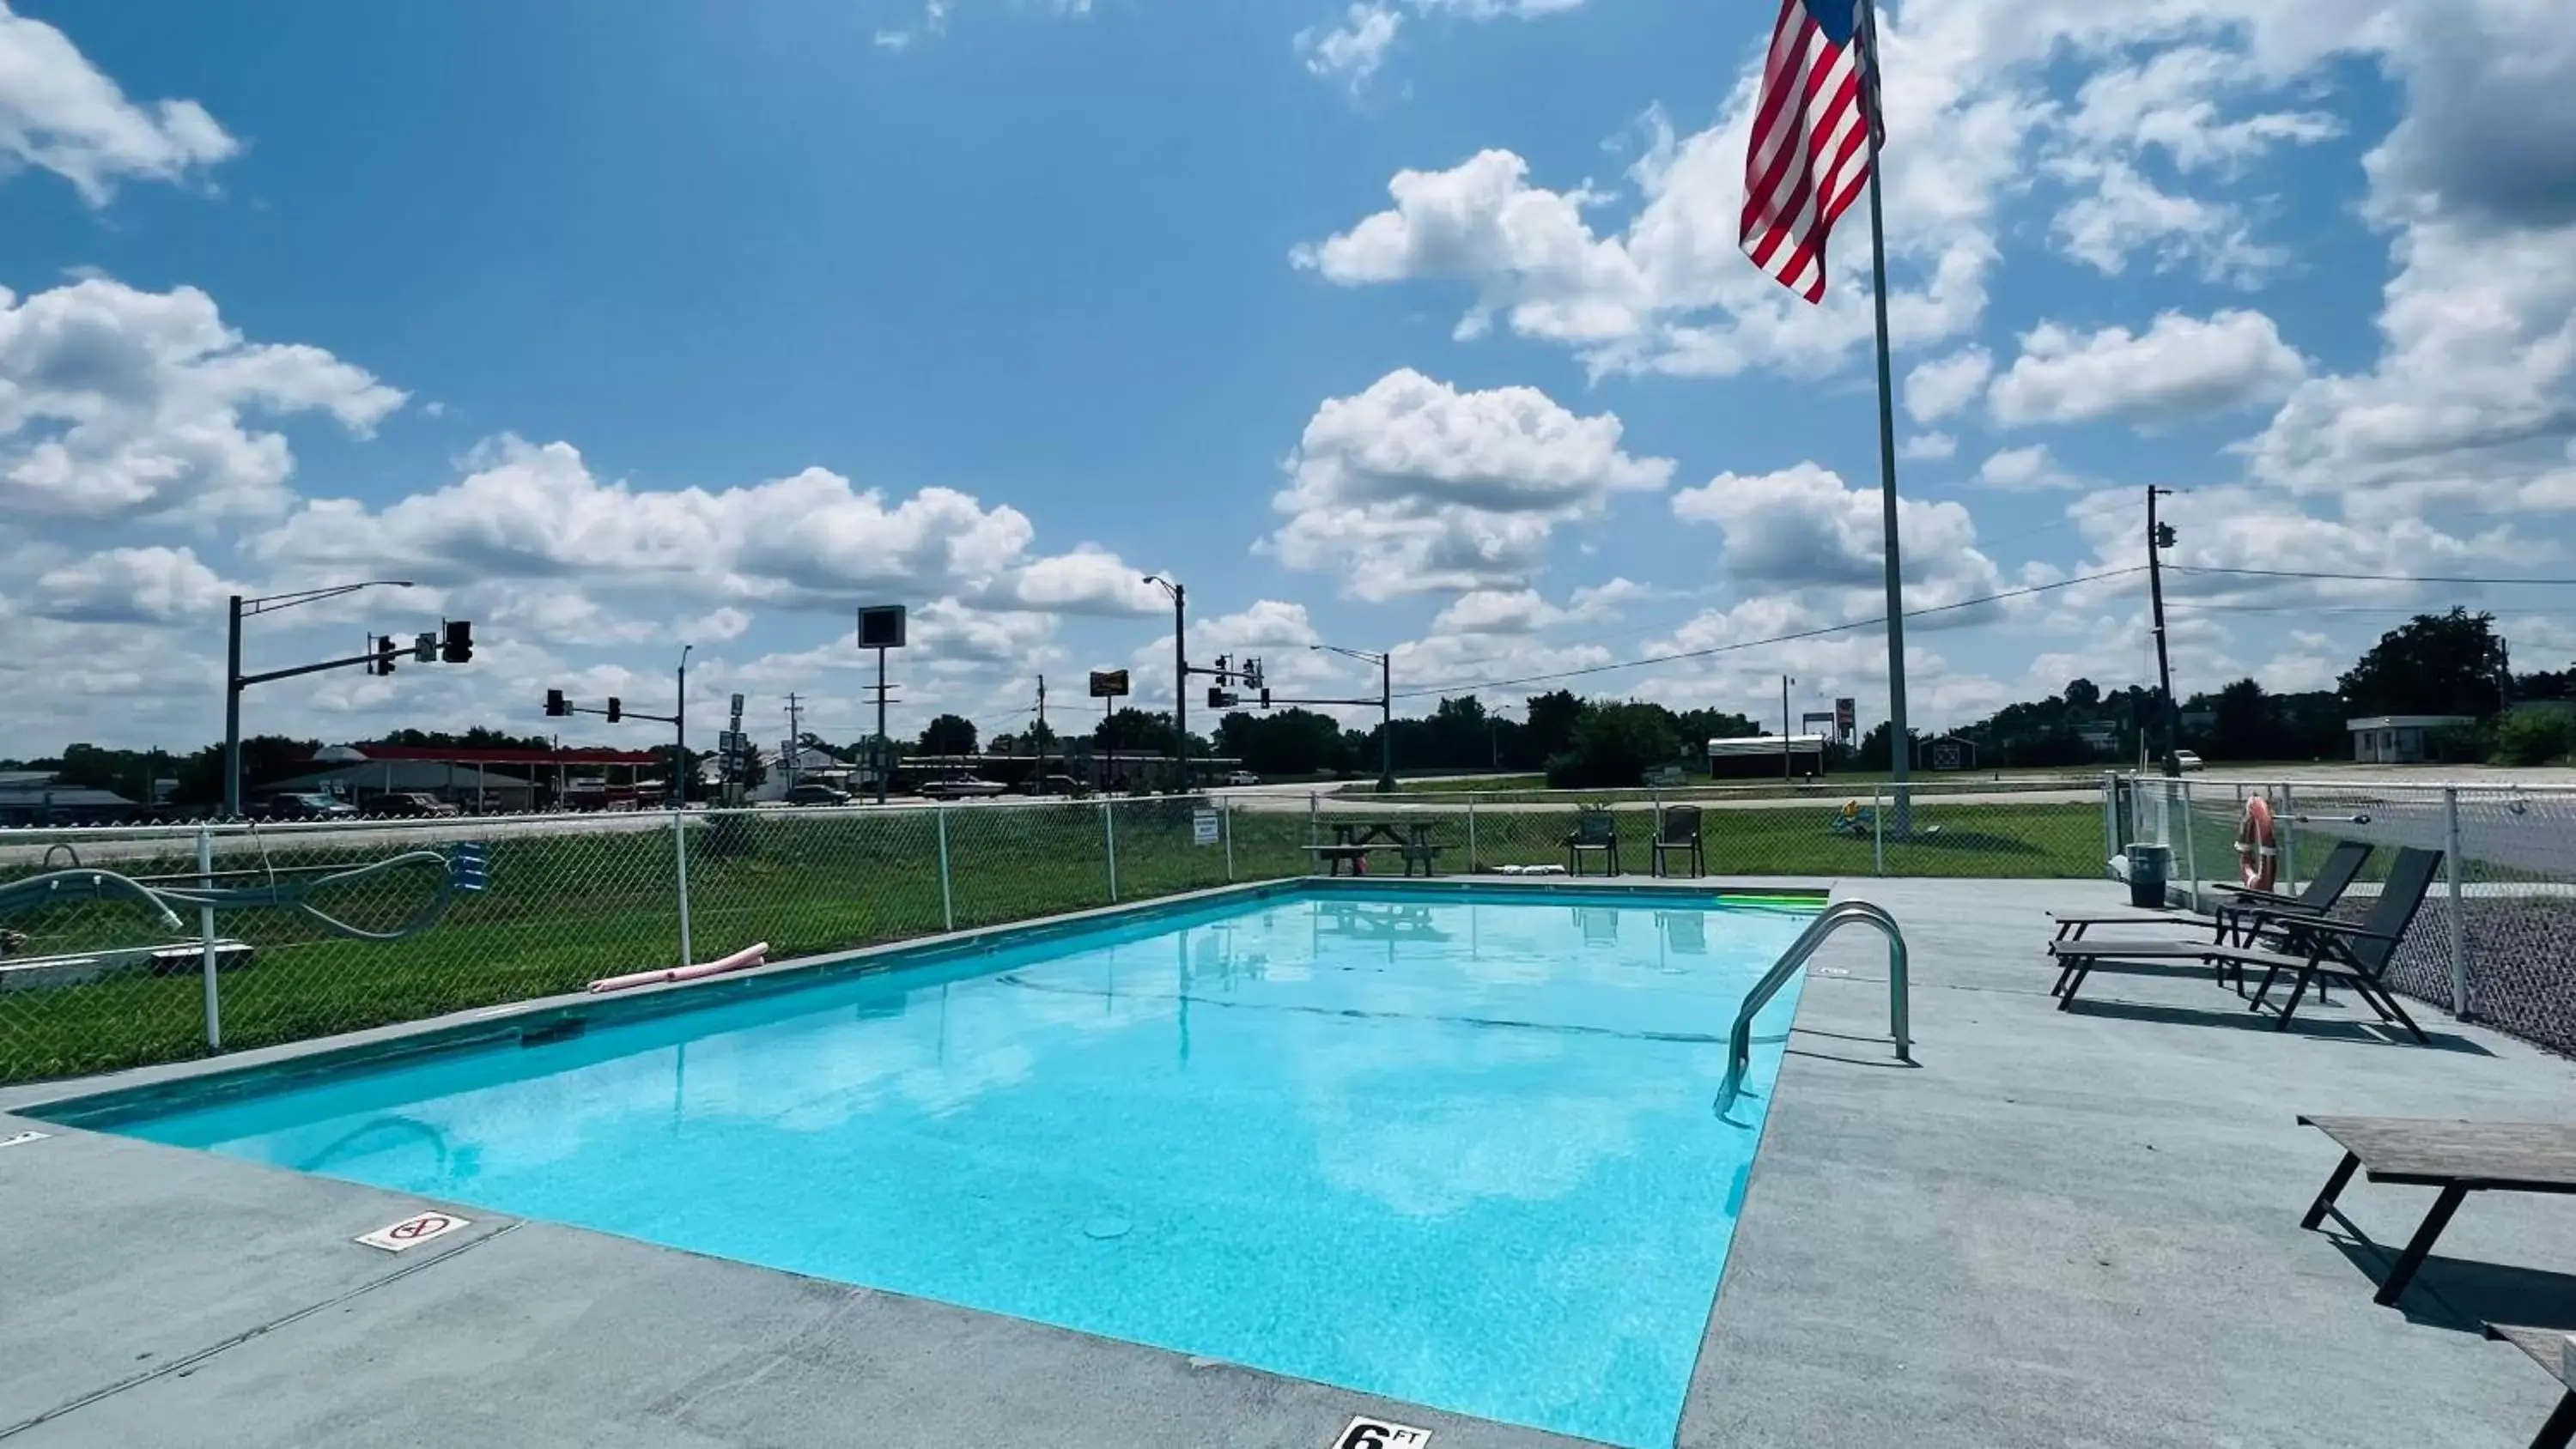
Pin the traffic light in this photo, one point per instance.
(1219, 699)
(616, 709)
(458, 647)
(556, 705)
(1224, 663)
(1265, 696)
(382, 648)
(424, 648)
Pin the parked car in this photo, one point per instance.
(2188, 761)
(1055, 784)
(1243, 777)
(303, 807)
(960, 787)
(410, 805)
(817, 795)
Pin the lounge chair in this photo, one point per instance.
(2245, 917)
(1596, 830)
(2458, 1157)
(2324, 949)
(2555, 1351)
(1678, 832)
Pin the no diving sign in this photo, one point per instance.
(1367, 1433)
(413, 1231)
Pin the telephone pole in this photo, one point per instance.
(795, 742)
(1037, 781)
(2159, 538)
(1180, 674)
(1785, 682)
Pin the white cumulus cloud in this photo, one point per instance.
(61, 114)
(2180, 367)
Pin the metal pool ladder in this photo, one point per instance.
(1841, 913)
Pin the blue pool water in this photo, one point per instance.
(1452, 1150)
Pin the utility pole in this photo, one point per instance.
(1180, 673)
(1785, 682)
(795, 742)
(1386, 723)
(1037, 780)
(2159, 538)
(680, 724)
(884, 746)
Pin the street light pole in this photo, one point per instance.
(1386, 724)
(232, 708)
(1180, 674)
(680, 723)
(1785, 682)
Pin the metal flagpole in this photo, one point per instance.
(1896, 730)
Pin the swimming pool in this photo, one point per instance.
(1450, 1146)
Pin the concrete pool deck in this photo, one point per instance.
(2062, 1228)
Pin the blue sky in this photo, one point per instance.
(1406, 323)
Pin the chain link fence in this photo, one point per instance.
(2495, 940)
(310, 929)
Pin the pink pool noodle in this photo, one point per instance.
(747, 956)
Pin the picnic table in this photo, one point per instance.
(1355, 840)
(2457, 1157)
(2555, 1352)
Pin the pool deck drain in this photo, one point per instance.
(2065, 1227)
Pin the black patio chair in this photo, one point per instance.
(1596, 831)
(1679, 830)
(2320, 950)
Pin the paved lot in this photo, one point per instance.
(2062, 1228)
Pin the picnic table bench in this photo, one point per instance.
(2555, 1352)
(1355, 840)
(2458, 1157)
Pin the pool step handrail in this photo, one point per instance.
(1739, 1051)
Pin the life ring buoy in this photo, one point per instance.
(2257, 855)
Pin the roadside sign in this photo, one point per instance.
(1846, 718)
(1203, 827)
(413, 1231)
(1945, 755)
(881, 627)
(1108, 683)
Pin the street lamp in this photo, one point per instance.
(684, 772)
(235, 681)
(1385, 706)
(1180, 673)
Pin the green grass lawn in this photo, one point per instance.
(564, 910)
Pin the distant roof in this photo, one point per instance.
(67, 797)
(1764, 744)
(2408, 721)
(458, 754)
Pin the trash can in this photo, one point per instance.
(2150, 866)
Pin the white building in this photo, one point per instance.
(2396, 739)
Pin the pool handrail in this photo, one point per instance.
(1739, 1052)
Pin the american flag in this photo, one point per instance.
(1810, 152)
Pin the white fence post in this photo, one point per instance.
(1109, 842)
(2190, 851)
(1473, 863)
(206, 934)
(1314, 818)
(1877, 831)
(1225, 820)
(2110, 819)
(680, 846)
(2286, 829)
(947, 898)
(2459, 919)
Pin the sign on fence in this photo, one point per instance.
(1203, 827)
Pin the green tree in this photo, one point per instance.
(949, 734)
(2243, 727)
(2083, 693)
(1552, 718)
(2432, 664)
(2534, 737)
(1616, 744)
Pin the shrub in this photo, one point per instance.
(2534, 737)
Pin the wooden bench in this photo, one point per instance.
(2555, 1352)
(2457, 1157)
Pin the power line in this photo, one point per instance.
(1652, 659)
(2368, 578)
